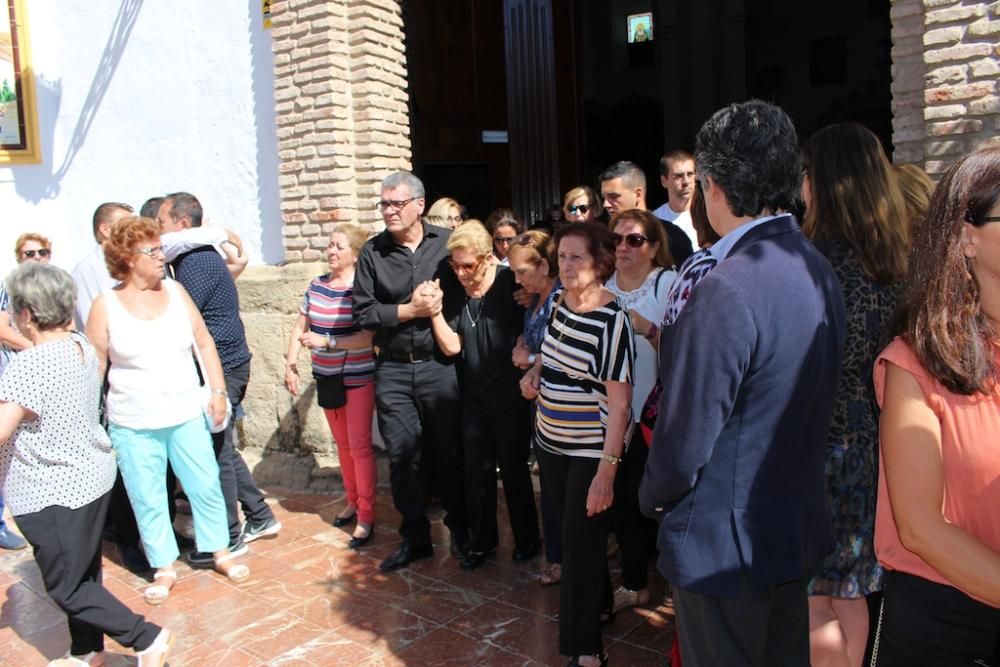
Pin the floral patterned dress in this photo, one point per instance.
(851, 570)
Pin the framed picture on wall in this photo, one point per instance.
(640, 28)
(18, 111)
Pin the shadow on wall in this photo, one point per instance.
(262, 66)
(34, 186)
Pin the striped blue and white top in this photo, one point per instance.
(328, 309)
(580, 352)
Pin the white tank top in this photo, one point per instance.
(152, 371)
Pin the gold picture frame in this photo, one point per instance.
(19, 141)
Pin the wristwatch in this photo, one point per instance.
(611, 458)
(331, 342)
(532, 358)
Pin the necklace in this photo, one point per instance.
(479, 313)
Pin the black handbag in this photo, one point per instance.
(330, 391)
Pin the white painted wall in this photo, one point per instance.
(144, 97)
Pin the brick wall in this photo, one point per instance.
(946, 65)
(342, 113)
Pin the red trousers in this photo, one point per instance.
(351, 426)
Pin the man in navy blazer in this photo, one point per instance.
(749, 371)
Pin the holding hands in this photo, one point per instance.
(427, 298)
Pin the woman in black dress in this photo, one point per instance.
(495, 427)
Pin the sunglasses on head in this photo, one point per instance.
(41, 252)
(631, 240)
(580, 208)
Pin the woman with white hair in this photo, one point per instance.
(57, 467)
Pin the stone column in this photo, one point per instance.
(946, 61)
(343, 125)
(341, 91)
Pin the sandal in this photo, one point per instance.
(156, 654)
(551, 576)
(237, 573)
(92, 659)
(158, 593)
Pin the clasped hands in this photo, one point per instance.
(427, 298)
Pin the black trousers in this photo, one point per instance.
(926, 623)
(238, 484)
(634, 531)
(67, 546)
(765, 629)
(418, 410)
(585, 589)
(488, 440)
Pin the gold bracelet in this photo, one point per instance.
(611, 458)
(218, 392)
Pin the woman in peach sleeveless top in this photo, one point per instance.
(937, 523)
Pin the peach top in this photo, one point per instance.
(970, 451)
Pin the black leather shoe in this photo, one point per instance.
(358, 542)
(404, 554)
(527, 554)
(341, 521)
(473, 560)
(459, 544)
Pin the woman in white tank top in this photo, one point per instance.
(145, 332)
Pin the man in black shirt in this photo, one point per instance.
(416, 387)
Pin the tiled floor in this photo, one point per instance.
(312, 601)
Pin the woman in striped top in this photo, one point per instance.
(341, 351)
(583, 384)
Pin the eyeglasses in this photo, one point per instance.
(505, 240)
(468, 268)
(149, 252)
(968, 218)
(631, 240)
(393, 203)
(581, 208)
(454, 219)
(41, 252)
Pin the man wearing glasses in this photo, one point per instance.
(416, 387)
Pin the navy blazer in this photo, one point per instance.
(736, 470)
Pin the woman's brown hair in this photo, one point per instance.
(652, 229)
(536, 245)
(125, 235)
(855, 197)
(600, 245)
(940, 314)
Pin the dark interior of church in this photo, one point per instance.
(513, 102)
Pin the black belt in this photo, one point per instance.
(406, 357)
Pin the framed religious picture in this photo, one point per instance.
(640, 28)
(18, 111)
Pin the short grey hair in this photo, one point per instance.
(631, 174)
(395, 179)
(46, 291)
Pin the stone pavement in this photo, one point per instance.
(312, 601)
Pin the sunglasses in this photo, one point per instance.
(469, 268)
(505, 240)
(968, 218)
(41, 252)
(581, 208)
(631, 240)
(149, 252)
